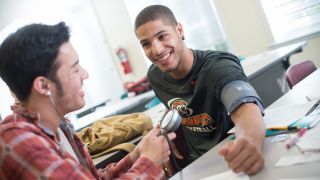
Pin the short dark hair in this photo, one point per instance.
(155, 12)
(30, 52)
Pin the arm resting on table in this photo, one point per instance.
(245, 153)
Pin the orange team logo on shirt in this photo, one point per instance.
(181, 106)
(199, 123)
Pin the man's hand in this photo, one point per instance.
(155, 146)
(243, 155)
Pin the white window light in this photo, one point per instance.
(291, 20)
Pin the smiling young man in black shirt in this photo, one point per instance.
(208, 88)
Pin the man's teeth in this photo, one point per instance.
(166, 56)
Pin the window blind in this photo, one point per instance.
(292, 19)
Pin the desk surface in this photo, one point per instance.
(211, 163)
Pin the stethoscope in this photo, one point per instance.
(170, 122)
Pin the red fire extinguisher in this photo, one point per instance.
(122, 55)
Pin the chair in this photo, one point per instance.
(295, 73)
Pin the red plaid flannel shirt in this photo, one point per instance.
(27, 151)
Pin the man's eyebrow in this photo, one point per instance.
(75, 63)
(160, 32)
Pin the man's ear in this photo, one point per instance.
(180, 31)
(41, 85)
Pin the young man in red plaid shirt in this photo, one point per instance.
(42, 69)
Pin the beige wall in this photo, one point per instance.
(310, 52)
(248, 33)
(119, 31)
(242, 23)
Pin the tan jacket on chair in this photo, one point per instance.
(106, 135)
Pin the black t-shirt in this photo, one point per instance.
(205, 121)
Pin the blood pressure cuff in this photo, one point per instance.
(238, 92)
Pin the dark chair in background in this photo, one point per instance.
(295, 73)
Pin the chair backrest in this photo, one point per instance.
(295, 73)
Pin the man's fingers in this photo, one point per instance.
(246, 155)
(235, 149)
(244, 165)
(253, 164)
(154, 132)
(224, 150)
(255, 167)
(171, 135)
(176, 152)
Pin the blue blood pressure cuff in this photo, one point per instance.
(238, 92)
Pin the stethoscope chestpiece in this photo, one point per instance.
(170, 121)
